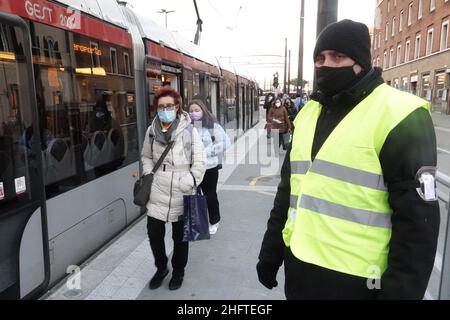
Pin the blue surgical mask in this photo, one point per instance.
(167, 115)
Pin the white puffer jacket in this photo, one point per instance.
(169, 186)
(216, 147)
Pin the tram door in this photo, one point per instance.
(23, 240)
(243, 108)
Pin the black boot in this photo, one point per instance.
(158, 278)
(176, 281)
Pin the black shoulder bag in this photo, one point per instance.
(143, 186)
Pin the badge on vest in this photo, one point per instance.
(426, 178)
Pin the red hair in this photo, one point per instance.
(168, 92)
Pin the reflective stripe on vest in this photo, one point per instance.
(300, 167)
(358, 177)
(364, 217)
(339, 216)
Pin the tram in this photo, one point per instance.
(77, 83)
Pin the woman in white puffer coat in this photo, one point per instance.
(174, 178)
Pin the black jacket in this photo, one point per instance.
(415, 223)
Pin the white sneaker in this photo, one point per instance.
(213, 228)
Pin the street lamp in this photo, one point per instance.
(166, 12)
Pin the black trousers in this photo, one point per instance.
(305, 281)
(156, 230)
(209, 188)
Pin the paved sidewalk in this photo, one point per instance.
(441, 120)
(221, 268)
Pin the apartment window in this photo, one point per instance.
(432, 5)
(400, 22)
(387, 31)
(399, 51)
(378, 61)
(391, 58)
(95, 57)
(417, 47)
(420, 11)
(113, 56)
(379, 40)
(410, 13)
(384, 59)
(126, 60)
(393, 27)
(430, 41)
(407, 50)
(444, 35)
(389, 6)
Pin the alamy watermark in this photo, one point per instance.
(254, 148)
(74, 280)
(72, 19)
(374, 282)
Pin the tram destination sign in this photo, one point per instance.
(67, 18)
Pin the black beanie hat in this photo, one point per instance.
(348, 37)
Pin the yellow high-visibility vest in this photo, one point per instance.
(339, 216)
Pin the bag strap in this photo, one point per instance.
(197, 189)
(161, 159)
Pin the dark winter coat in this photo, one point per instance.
(279, 118)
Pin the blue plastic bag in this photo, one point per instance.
(196, 222)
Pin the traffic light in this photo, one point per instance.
(275, 80)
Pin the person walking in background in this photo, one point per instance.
(298, 101)
(267, 105)
(215, 141)
(185, 162)
(278, 117)
(356, 214)
(291, 109)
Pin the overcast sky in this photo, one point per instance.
(250, 33)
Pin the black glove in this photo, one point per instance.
(267, 274)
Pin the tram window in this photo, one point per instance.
(87, 116)
(153, 72)
(126, 59)
(18, 161)
(96, 53)
(113, 55)
(188, 89)
(3, 39)
(196, 84)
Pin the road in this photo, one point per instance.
(442, 129)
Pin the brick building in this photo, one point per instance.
(411, 43)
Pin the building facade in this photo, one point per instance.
(411, 44)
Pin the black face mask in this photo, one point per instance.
(334, 80)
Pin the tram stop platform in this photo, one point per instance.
(222, 268)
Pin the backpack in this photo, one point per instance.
(292, 112)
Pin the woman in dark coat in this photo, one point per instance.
(278, 117)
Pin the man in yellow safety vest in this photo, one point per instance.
(356, 214)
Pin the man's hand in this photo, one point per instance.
(267, 273)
